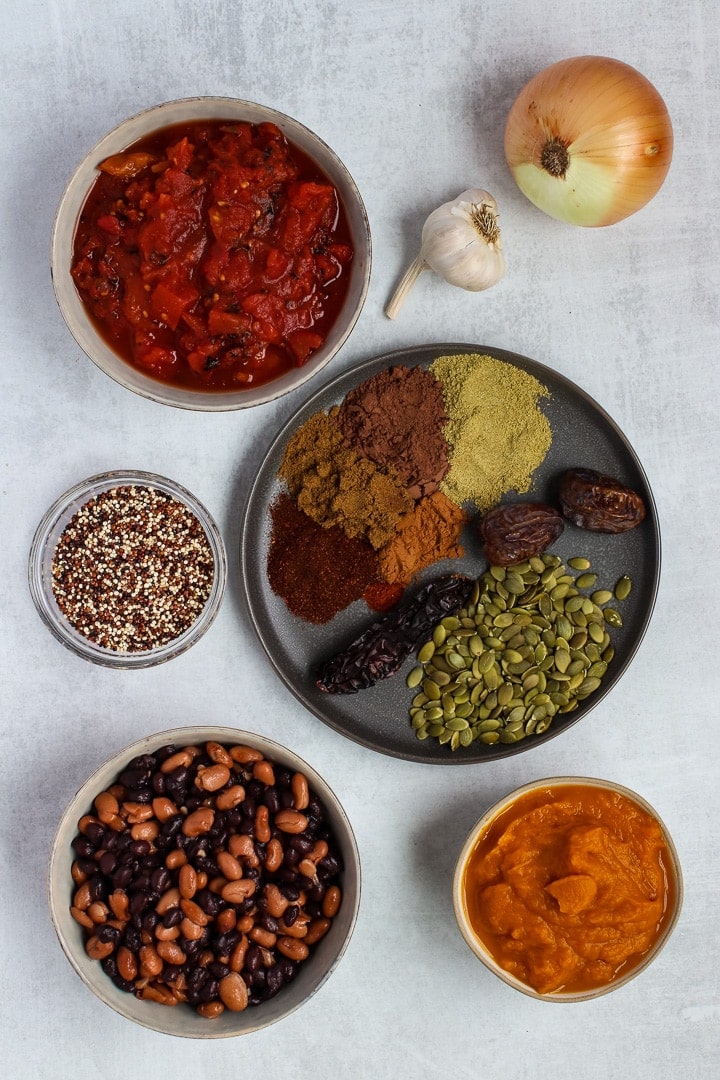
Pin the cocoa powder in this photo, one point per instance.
(396, 419)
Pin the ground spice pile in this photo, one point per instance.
(133, 569)
(335, 485)
(396, 418)
(497, 433)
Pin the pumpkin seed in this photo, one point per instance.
(613, 617)
(415, 677)
(579, 563)
(623, 588)
(601, 596)
(427, 652)
(586, 581)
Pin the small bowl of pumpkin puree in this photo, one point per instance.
(568, 888)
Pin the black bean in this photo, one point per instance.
(274, 979)
(290, 914)
(218, 970)
(122, 877)
(138, 901)
(209, 902)
(87, 866)
(109, 966)
(209, 989)
(124, 984)
(141, 795)
(97, 887)
(82, 846)
(150, 921)
(140, 848)
(160, 878)
(272, 799)
(173, 917)
(108, 862)
(132, 939)
(172, 826)
(109, 935)
(253, 959)
(95, 834)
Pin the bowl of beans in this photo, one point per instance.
(204, 882)
(127, 569)
(211, 253)
(568, 888)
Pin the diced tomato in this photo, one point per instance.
(303, 343)
(230, 224)
(181, 155)
(276, 264)
(110, 225)
(198, 358)
(169, 301)
(162, 362)
(227, 322)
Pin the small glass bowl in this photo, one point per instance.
(183, 1020)
(42, 552)
(73, 200)
(481, 950)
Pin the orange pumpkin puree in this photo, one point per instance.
(569, 887)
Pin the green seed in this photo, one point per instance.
(623, 587)
(489, 737)
(431, 689)
(586, 581)
(415, 677)
(439, 635)
(579, 563)
(613, 617)
(601, 596)
(456, 723)
(596, 632)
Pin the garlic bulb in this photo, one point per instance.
(460, 242)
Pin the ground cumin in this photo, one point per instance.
(334, 485)
(428, 533)
(498, 436)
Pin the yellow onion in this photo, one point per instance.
(589, 140)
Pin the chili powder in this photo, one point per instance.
(317, 571)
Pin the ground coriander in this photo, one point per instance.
(498, 435)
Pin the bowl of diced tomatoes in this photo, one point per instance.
(211, 254)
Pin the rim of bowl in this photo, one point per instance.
(74, 197)
(483, 954)
(45, 542)
(187, 1024)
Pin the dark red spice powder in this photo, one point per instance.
(316, 571)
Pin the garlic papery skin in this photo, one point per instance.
(461, 242)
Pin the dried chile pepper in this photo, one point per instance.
(385, 645)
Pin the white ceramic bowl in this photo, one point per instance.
(481, 950)
(141, 125)
(42, 553)
(182, 1019)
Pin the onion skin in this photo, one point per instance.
(615, 128)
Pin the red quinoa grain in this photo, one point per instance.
(133, 569)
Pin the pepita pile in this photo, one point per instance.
(528, 646)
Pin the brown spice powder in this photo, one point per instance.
(429, 533)
(334, 485)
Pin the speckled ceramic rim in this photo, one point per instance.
(458, 892)
(182, 1021)
(128, 132)
(45, 542)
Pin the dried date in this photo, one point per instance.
(381, 650)
(598, 502)
(514, 532)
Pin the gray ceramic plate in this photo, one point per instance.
(583, 436)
